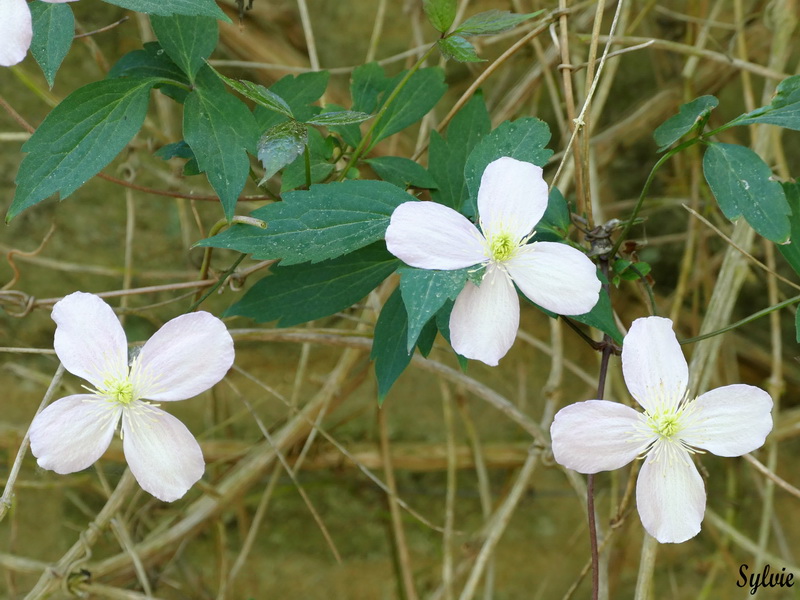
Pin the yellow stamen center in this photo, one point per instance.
(118, 390)
(502, 247)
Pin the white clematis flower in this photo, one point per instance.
(511, 200)
(187, 356)
(16, 30)
(598, 435)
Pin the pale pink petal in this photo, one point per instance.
(653, 365)
(729, 421)
(72, 433)
(596, 435)
(428, 235)
(16, 31)
(670, 495)
(485, 318)
(89, 339)
(161, 452)
(187, 356)
(556, 277)
(512, 197)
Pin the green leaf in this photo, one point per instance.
(689, 116)
(784, 110)
(188, 41)
(280, 145)
(402, 172)
(797, 326)
(300, 293)
(366, 85)
(152, 62)
(323, 222)
(388, 345)
(442, 319)
(424, 293)
(220, 130)
(791, 251)
(78, 138)
(294, 175)
(299, 93)
(741, 183)
(601, 317)
(175, 150)
(53, 30)
(427, 337)
(421, 93)
(447, 158)
(339, 117)
(441, 13)
(556, 217)
(258, 94)
(492, 22)
(458, 48)
(523, 139)
(192, 8)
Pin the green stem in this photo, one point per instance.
(364, 140)
(307, 155)
(647, 565)
(762, 313)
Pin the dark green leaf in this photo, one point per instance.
(442, 319)
(78, 138)
(389, 344)
(175, 150)
(323, 222)
(441, 13)
(797, 326)
(299, 93)
(791, 251)
(258, 94)
(53, 30)
(458, 48)
(294, 175)
(280, 145)
(523, 139)
(339, 117)
(187, 40)
(492, 22)
(424, 293)
(192, 8)
(419, 95)
(556, 218)
(301, 293)
(688, 117)
(447, 158)
(402, 172)
(367, 84)
(152, 61)
(601, 317)
(784, 110)
(741, 184)
(427, 337)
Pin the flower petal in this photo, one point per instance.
(729, 421)
(73, 432)
(89, 339)
(485, 318)
(653, 365)
(670, 495)
(187, 356)
(556, 277)
(161, 452)
(428, 235)
(16, 31)
(512, 197)
(596, 435)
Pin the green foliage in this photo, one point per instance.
(784, 110)
(690, 116)
(791, 251)
(80, 137)
(448, 157)
(458, 48)
(188, 41)
(294, 175)
(366, 86)
(628, 270)
(741, 183)
(402, 172)
(321, 223)
(53, 30)
(220, 129)
(388, 346)
(424, 293)
(258, 94)
(153, 62)
(300, 293)
(524, 139)
(441, 13)
(556, 218)
(192, 8)
(339, 117)
(298, 93)
(492, 22)
(601, 317)
(280, 145)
